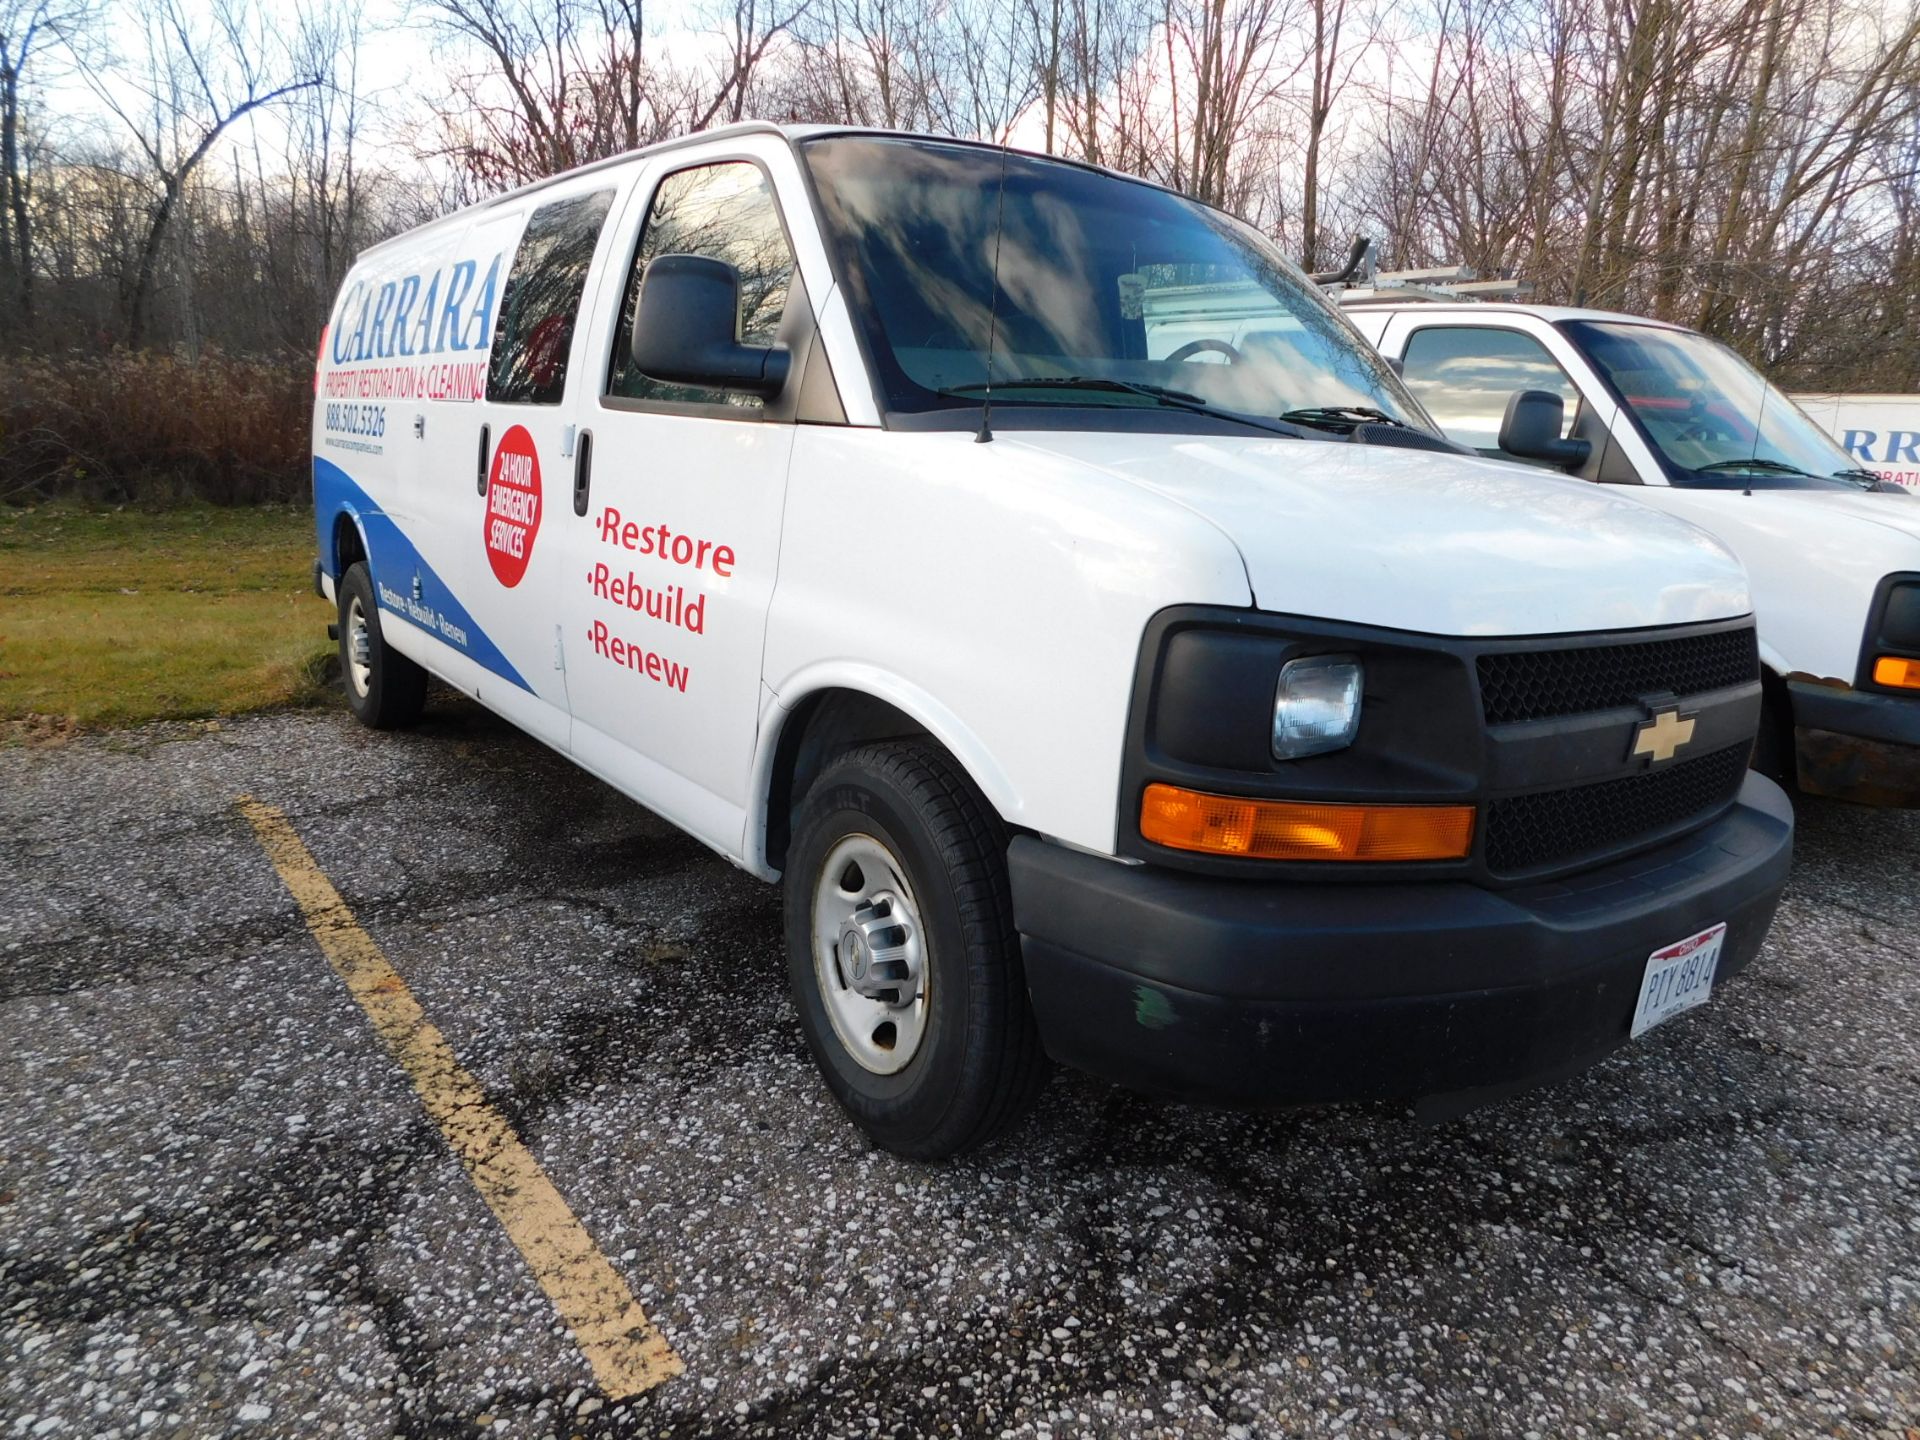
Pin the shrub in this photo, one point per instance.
(148, 426)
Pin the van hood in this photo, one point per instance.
(1422, 541)
(1898, 513)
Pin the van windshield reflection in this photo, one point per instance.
(1714, 420)
(1113, 295)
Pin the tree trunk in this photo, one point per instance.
(16, 225)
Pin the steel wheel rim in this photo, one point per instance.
(869, 955)
(359, 648)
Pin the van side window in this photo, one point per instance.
(1464, 375)
(724, 212)
(534, 333)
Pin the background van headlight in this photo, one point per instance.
(1316, 706)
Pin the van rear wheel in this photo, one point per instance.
(902, 955)
(385, 690)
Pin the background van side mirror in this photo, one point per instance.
(1531, 430)
(687, 329)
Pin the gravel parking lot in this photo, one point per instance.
(223, 1209)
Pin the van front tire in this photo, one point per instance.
(385, 690)
(902, 954)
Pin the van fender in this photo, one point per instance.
(331, 553)
(918, 705)
(335, 494)
(1772, 659)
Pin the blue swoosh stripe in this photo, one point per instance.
(404, 584)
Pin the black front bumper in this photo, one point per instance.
(1241, 992)
(1856, 744)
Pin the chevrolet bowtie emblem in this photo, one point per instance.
(1659, 738)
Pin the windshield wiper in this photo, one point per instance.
(1335, 417)
(1871, 480)
(1765, 467)
(1078, 382)
(1159, 394)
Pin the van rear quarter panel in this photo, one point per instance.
(400, 394)
(371, 372)
(997, 595)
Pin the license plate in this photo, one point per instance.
(1678, 978)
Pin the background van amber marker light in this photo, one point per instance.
(1900, 673)
(1291, 830)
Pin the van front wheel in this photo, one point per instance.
(902, 955)
(385, 689)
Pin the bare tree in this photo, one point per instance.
(1748, 167)
(543, 85)
(1336, 52)
(1224, 65)
(31, 32)
(192, 80)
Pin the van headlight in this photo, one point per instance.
(1316, 706)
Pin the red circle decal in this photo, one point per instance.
(513, 505)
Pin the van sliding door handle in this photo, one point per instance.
(480, 471)
(582, 471)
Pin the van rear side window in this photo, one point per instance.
(534, 334)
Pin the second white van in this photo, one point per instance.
(1682, 424)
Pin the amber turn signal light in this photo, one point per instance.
(1291, 830)
(1899, 674)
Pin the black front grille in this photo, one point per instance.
(1540, 684)
(1532, 832)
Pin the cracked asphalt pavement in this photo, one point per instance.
(223, 1210)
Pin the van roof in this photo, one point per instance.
(790, 133)
(1387, 300)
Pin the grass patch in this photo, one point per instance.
(116, 617)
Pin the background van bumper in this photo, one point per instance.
(1236, 992)
(1856, 744)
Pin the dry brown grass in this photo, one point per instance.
(148, 426)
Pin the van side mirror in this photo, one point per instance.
(687, 329)
(1531, 430)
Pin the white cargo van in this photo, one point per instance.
(1681, 423)
(1189, 714)
(1880, 432)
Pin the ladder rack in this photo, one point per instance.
(1434, 282)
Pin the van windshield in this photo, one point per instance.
(1113, 294)
(1714, 420)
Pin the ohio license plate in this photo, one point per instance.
(1678, 978)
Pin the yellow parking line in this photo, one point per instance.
(627, 1353)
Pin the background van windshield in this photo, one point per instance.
(1713, 418)
(1100, 278)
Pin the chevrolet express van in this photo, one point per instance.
(1682, 424)
(1179, 710)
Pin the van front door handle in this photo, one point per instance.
(582, 471)
(480, 473)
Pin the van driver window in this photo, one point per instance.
(1464, 375)
(723, 212)
(534, 334)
